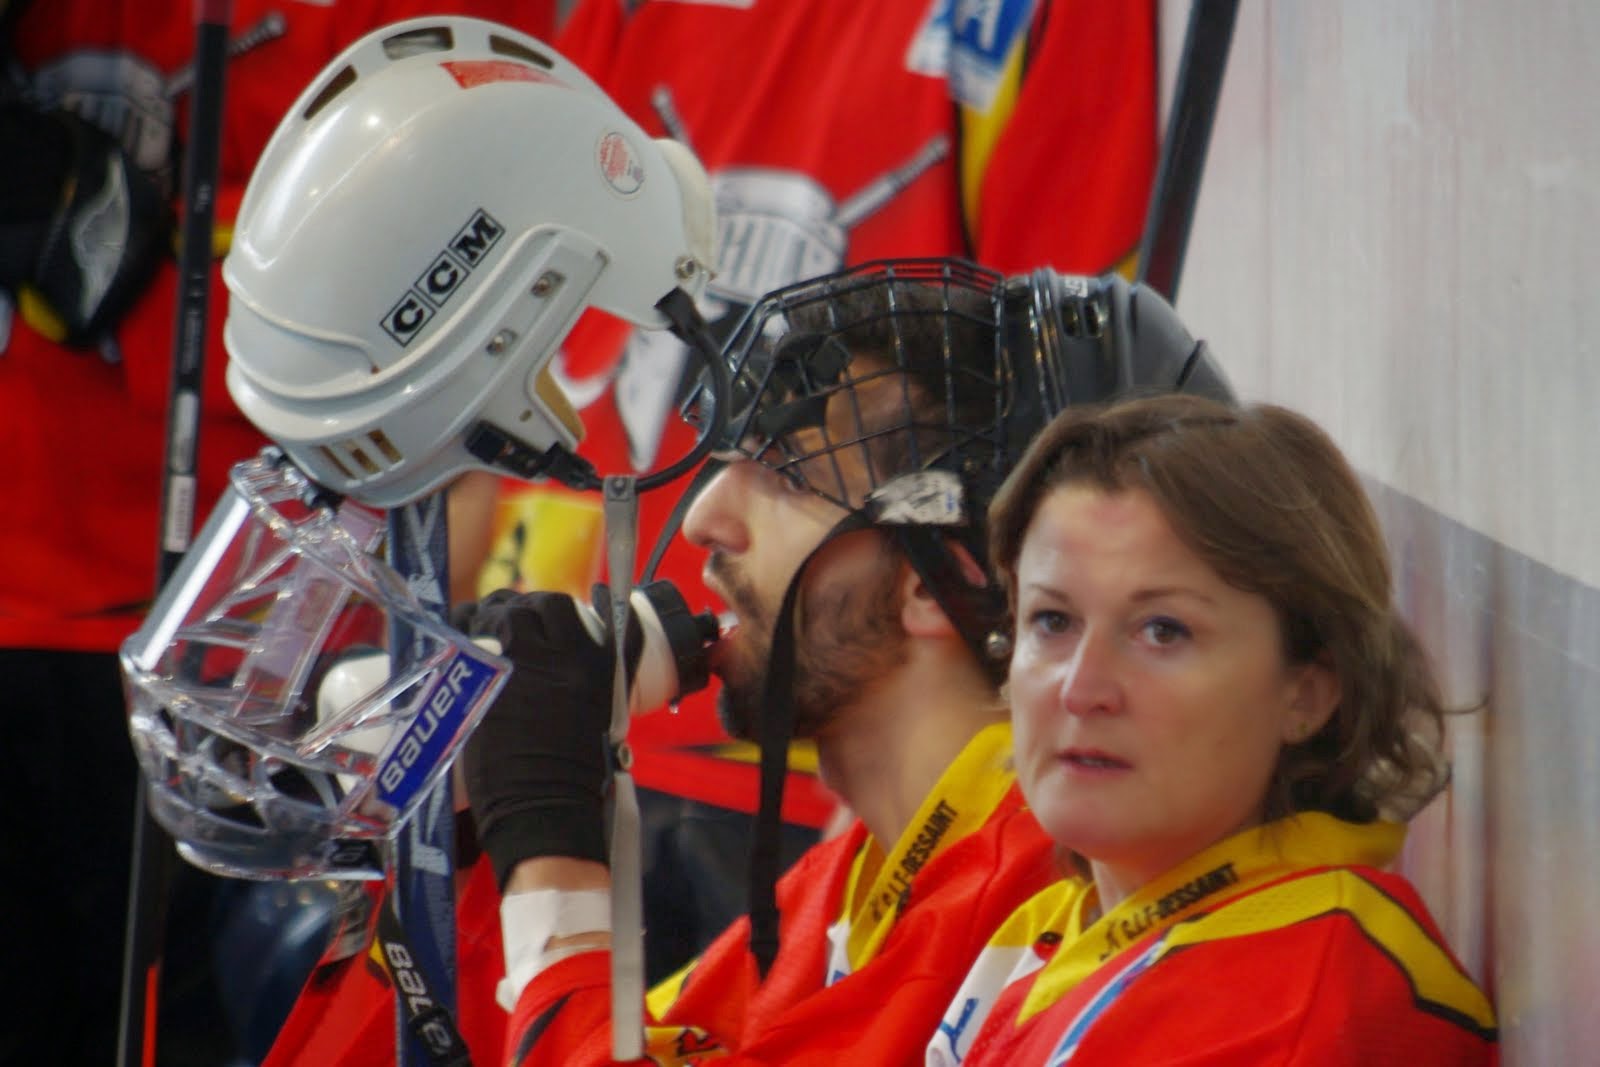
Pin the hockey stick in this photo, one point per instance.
(1183, 151)
(153, 856)
(421, 866)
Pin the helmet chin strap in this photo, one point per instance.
(774, 732)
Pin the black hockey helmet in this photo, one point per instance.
(938, 373)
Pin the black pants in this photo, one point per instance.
(67, 795)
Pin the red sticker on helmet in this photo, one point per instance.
(619, 164)
(473, 72)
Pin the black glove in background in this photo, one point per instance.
(81, 226)
(29, 195)
(536, 764)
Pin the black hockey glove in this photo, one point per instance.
(82, 228)
(536, 766)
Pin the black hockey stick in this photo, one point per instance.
(1183, 150)
(153, 855)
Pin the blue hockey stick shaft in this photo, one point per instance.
(422, 875)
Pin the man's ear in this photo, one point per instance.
(920, 612)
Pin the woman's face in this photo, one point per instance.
(1150, 698)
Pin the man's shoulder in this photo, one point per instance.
(825, 861)
(1010, 838)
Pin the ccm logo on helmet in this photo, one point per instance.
(444, 276)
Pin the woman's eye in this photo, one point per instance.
(1165, 631)
(1049, 622)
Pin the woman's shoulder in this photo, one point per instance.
(1343, 954)
(1330, 903)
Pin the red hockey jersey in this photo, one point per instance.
(1285, 944)
(346, 1013)
(873, 943)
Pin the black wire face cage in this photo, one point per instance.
(846, 382)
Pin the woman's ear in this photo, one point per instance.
(920, 612)
(1314, 696)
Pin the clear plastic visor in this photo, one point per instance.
(290, 700)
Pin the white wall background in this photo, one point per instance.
(1397, 235)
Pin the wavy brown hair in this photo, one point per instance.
(1266, 498)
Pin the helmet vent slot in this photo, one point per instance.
(363, 460)
(333, 457)
(338, 84)
(363, 457)
(381, 442)
(503, 46)
(419, 42)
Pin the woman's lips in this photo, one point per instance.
(1093, 761)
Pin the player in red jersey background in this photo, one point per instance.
(96, 98)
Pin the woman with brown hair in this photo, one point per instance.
(1223, 723)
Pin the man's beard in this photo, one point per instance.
(846, 637)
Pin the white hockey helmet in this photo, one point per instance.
(422, 231)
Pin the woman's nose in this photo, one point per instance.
(1091, 683)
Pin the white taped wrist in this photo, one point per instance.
(528, 920)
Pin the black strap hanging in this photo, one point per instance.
(774, 733)
(425, 1016)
